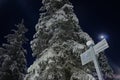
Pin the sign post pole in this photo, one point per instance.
(96, 64)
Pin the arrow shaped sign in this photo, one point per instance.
(101, 46)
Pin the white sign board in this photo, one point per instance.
(86, 57)
(101, 46)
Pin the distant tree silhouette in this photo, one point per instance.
(12, 55)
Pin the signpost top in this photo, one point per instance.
(99, 47)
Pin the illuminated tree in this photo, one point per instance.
(57, 45)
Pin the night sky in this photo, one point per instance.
(97, 17)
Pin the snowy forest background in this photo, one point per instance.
(56, 45)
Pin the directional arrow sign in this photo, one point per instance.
(86, 57)
(101, 46)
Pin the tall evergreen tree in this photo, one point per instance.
(57, 45)
(12, 55)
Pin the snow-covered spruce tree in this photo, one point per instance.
(12, 55)
(57, 45)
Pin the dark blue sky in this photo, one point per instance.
(96, 17)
